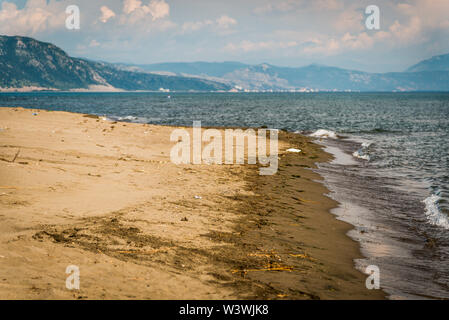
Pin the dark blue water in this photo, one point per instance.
(395, 191)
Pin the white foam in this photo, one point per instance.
(293, 150)
(366, 144)
(361, 155)
(323, 133)
(133, 119)
(340, 157)
(433, 213)
(130, 118)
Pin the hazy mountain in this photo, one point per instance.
(319, 77)
(28, 62)
(332, 78)
(436, 63)
(212, 69)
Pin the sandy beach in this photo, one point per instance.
(82, 190)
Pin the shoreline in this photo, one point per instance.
(105, 195)
(307, 226)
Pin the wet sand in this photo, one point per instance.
(81, 190)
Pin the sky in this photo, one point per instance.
(284, 32)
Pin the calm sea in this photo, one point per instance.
(391, 173)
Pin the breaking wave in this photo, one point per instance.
(433, 212)
(363, 152)
(323, 133)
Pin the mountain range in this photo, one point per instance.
(29, 63)
(436, 63)
(26, 62)
(428, 75)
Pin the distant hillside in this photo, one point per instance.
(316, 77)
(212, 69)
(27, 62)
(332, 78)
(436, 63)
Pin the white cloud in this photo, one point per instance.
(329, 47)
(195, 26)
(158, 9)
(164, 25)
(288, 6)
(124, 18)
(408, 24)
(36, 16)
(226, 22)
(406, 33)
(94, 43)
(350, 20)
(396, 35)
(131, 5)
(140, 18)
(248, 46)
(281, 6)
(328, 4)
(106, 14)
(222, 25)
(358, 42)
(289, 29)
(263, 9)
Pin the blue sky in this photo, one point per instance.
(283, 32)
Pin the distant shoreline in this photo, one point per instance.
(82, 90)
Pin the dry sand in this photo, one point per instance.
(104, 196)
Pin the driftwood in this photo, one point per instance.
(13, 159)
